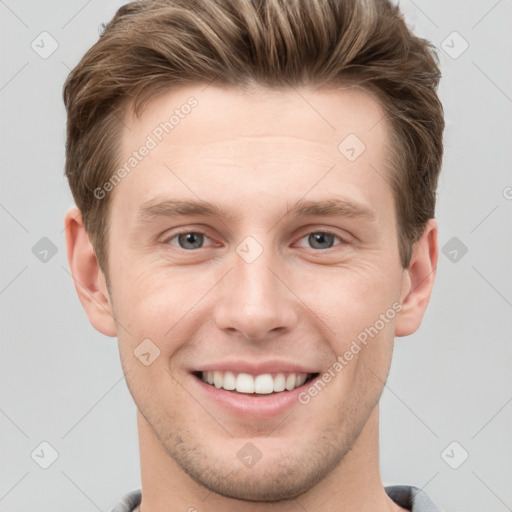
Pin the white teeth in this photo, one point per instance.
(245, 383)
(301, 378)
(263, 384)
(229, 381)
(217, 379)
(290, 382)
(279, 382)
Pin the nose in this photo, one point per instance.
(254, 301)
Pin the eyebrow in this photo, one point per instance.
(333, 207)
(155, 208)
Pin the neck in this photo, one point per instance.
(355, 484)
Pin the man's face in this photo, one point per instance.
(251, 289)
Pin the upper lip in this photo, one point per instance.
(255, 368)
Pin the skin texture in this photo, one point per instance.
(257, 153)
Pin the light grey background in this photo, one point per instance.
(61, 381)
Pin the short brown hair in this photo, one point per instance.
(153, 46)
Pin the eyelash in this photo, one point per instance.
(200, 232)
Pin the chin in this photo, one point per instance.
(276, 476)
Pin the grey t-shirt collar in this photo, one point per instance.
(408, 497)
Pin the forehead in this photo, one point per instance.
(206, 140)
(255, 112)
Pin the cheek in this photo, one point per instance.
(160, 311)
(352, 299)
(158, 316)
(152, 302)
(357, 315)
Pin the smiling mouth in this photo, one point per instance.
(264, 384)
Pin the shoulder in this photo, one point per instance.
(128, 503)
(411, 498)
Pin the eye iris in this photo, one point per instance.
(190, 240)
(316, 239)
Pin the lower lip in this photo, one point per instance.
(254, 406)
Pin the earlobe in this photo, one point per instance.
(418, 281)
(89, 280)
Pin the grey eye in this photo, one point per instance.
(321, 240)
(190, 240)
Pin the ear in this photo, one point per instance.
(418, 281)
(90, 282)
